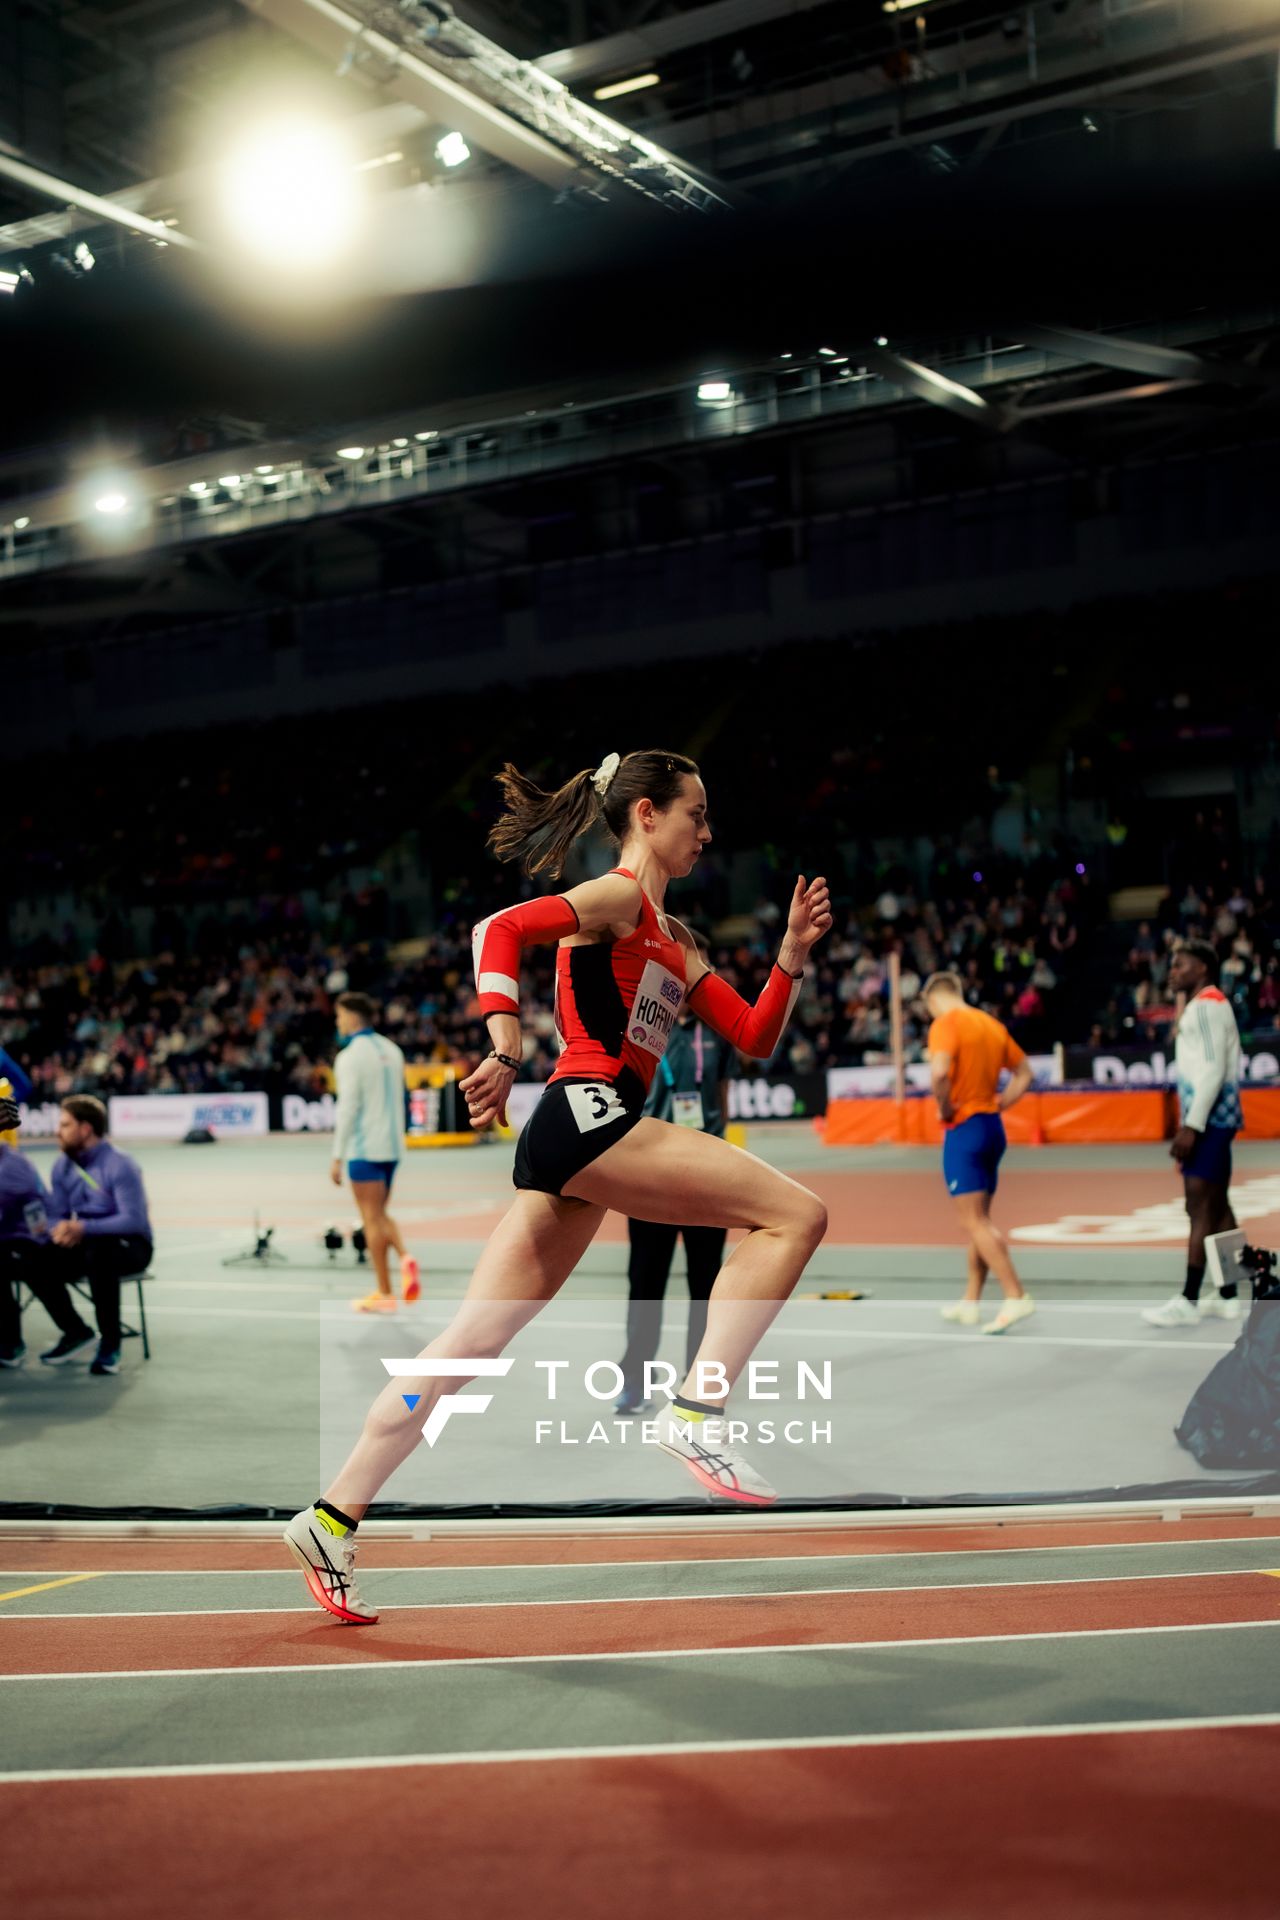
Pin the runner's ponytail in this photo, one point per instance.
(538, 828)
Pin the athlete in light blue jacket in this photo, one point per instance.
(369, 1139)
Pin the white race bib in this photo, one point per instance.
(659, 998)
(594, 1105)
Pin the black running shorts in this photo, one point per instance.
(573, 1123)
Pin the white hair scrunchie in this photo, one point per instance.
(604, 773)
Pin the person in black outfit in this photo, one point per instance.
(691, 1089)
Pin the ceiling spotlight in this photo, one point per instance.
(22, 522)
(881, 341)
(13, 278)
(715, 393)
(228, 479)
(198, 486)
(111, 502)
(400, 441)
(351, 453)
(452, 150)
(290, 195)
(1089, 124)
(431, 435)
(82, 257)
(616, 88)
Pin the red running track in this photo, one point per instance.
(180, 1642)
(885, 1207)
(1105, 1826)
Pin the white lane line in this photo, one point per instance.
(665, 1749)
(642, 1653)
(1024, 1339)
(734, 1560)
(662, 1599)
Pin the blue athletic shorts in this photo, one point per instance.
(384, 1170)
(972, 1152)
(1211, 1160)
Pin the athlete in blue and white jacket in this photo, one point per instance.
(1208, 1061)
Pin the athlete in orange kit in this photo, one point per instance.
(968, 1051)
(623, 970)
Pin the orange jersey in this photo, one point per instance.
(980, 1048)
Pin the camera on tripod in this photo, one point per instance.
(1230, 1258)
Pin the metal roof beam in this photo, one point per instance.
(926, 383)
(1140, 357)
(49, 187)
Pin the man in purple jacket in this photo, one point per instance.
(24, 1235)
(101, 1232)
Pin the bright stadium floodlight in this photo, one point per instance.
(715, 393)
(228, 479)
(22, 522)
(198, 487)
(452, 150)
(111, 503)
(351, 453)
(290, 196)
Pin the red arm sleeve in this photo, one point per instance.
(497, 943)
(754, 1030)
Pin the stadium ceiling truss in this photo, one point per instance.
(422, 52)
(755, 93)
(1023, 384)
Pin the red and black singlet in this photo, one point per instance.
(617, 1002)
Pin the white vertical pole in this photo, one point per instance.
(895, 1030)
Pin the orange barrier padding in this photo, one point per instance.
(1083, 1116)
(1091, 1118)
(1261, 1112)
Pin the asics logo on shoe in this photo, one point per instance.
(448, 1403)
(336, 1582)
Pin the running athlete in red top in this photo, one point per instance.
(623, 970)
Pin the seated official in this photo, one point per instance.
(24, 1235)
(100, 1232)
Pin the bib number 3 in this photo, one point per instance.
(594, 1106)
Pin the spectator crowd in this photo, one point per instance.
(261, 1007)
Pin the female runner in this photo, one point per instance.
(623, 969)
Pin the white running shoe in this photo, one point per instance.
(700, 1444)
(962, 1313)
(326, 1552)
(1177, 1311)
(1010, 1313)
(1214, 1307)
